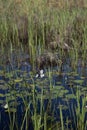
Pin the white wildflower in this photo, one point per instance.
(37, 75)
(6, 106)
(42, 75)
(41, 72)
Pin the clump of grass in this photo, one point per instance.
(35, 24)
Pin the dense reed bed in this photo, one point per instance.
(42, 26)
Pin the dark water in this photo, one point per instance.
(65, 79)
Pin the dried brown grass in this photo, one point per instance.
(67, 3)
(25, 6)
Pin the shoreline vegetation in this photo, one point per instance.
(43, 34)
(44, 27)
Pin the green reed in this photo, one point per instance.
(43, 22)
(44, 26)
(40, 119)
(80, 111)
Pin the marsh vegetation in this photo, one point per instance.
(43, 65)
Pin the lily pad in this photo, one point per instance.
(2, 95)
(71, 96)
(18, 80)
(78, 81)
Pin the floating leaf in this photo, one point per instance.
(1, 72)
(74, 73)
(58, 83)
(70, 96)
(84, 88)
(3, 87)
(9, 75)
(59, 87)
(2, 81)
(78, 81)
(18, 80)
(82, 78)
(2, 95)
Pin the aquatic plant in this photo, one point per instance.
(50, 33)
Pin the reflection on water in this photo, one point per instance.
(17, 80)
